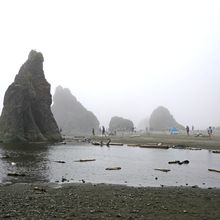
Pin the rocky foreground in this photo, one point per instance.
(87, 201)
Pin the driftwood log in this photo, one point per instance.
(113, 168)
(163, 170)
(216, 151)
(86, 160)
(214, 170)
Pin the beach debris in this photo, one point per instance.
(96, 143)
(86, 160)
(216, 151)
(194, 148)
(113, 168)
(163, 207)
(173, 162)
(108, 142)
(156, 178)
(59, 161)
(63, 179)
(179, 162)
(16, 174)
(184, 162)
(163, 170)
(214, 170)
(199, 135)
(180, 146)
(5, 157)
(133, 145)
(13, 163)
(195, 186)
(116, 144)
(39, 189)
(154, 146)
(83, 181)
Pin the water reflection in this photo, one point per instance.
(39, 163)
(30, 160)
(138, 166)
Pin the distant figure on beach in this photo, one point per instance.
(187, 130)
(210, 131)
(192, 128)
(103, 130)
(93, 131)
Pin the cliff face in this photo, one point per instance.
(162, 120)
(71, 116)
(26, 114)
(120, 124)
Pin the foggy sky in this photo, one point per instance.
(121, 58)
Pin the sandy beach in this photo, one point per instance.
(203, 142)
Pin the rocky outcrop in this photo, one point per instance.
(162, 120)
(71, 116)
(120, 124)
(26, 114)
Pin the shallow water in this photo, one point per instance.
(138, 164)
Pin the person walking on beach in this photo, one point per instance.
(210, 132)
(103, 130)
(93, 132)
(187, 130)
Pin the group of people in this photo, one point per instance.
(101, 129)
(187, 129)
(209, 130)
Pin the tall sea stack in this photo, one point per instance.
(120, 124)
(26, 114)
(162, 120)
(71, 116)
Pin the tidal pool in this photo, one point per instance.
(138, 165)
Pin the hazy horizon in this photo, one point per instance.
(121, 58)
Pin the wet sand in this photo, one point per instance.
(87, 201)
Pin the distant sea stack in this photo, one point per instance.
(143, 124)
(26, 114)
(120, 124)
(71, 116)
(162, 120)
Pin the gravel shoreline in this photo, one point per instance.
(102, 201)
